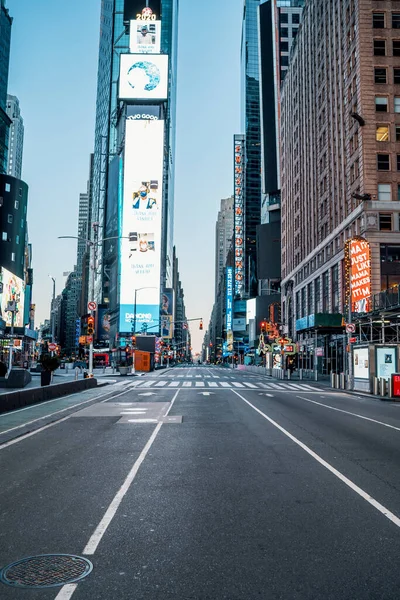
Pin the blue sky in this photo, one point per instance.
(53, 71)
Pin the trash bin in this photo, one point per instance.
(45, 378)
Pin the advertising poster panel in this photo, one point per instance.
(140, 260)
(229, 298)
(103, 324)
(145, 10)
(385, 362)
(361, 363)
(239, 214)
(358, 273)
(145, 37)
(167, 311)
(143, 77)
(13, 290)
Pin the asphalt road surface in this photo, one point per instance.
(206, 484)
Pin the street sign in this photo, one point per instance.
(350, 328)
(92, 305)
(52, 347)
(353, 340)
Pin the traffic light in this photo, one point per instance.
(201, 325)
(90, 326)
(263, 326)
(134, 341)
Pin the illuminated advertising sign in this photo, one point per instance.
(103, 324)
(358, 273)
(145, 37)
(239, 214)
(143, 77)
(167, 308)
(140, 259)
(13, 290)
(229, 298)
(145, 10)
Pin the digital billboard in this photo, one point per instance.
(142, 9)
(13, 289)
(229, 298)
(239, 213)
(141, 218)
(167, 311)
(145, 37)
(143, 77)
(358, 273)
(103, 324)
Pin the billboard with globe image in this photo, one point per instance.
(143, 77)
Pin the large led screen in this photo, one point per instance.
(145, 37)
(13, 290)
(142, 9)
(143, 77)
(140, 259)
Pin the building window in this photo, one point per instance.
(4, 236)
(297, 305)
(385, 221)
(284, 32)
(397, 133)
(396, 47)
(295, 18)
(383, 162)
(17, 239)
(8, 187)
(397, 104)
(382, 133)
(398, 162)
(310, 299)
(378, 20)
(396, 20)
(294, 32)
(284, 46)
(335, 289)
(9, 219)
(284, 18)
(318, 303)
(384, 192)
(284, 60)
(325, 292)
(396, 76)
(13, 256)
(381, 104)
(380, 75)
(379, 47)
(16, 204)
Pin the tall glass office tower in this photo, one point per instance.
(251, 127)
(5, 121)
(135, 118)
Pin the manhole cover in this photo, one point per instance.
(48, 570)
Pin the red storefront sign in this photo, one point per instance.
(396, 385)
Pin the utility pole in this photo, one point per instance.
(53, 320)
(12, 308)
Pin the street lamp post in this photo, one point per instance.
(53, 320)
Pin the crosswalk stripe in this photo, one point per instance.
(274, 386)
(290, 386)
(212, 384)
(250, 385)
(187, 384)
(309, 387)
(238, 385)
(161, 383)
(225, 384)
(147, 384)
(200, 383)
(296, 387)
(174, 384)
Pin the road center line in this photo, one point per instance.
(96, 537)
(346, 412)
(377, 505)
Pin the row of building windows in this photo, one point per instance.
(381, 75)
(381, 50)
(380, 20)
(382, 104)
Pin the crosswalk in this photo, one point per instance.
(203, 383)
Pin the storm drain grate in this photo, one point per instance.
(47, 570)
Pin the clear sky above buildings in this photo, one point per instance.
(53, 72)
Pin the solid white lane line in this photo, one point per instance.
(363, 494)
(346, 412)
(250, 385)
(238, 385)
(200, 384)
(66, 591)
(102, 527)
(51, 415)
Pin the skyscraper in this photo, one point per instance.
(5, 121)
(134, 200)
(16, 137)
(251, 127)
(223, 238)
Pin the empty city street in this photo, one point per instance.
(206, 483)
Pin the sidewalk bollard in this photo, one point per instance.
(383, 387)
(104, 369)
(342, 377)
(333, 380)
(315, 375)
(375, 386)
(76, 374)
(289, 375)
(390, 388)
(301, 374)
